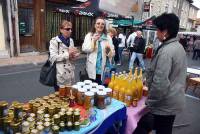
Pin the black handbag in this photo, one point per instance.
(83, 75)
(48, 73)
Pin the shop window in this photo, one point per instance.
(26, 22)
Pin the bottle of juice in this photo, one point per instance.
(111, 83)
(128, 96)
(122, 88)
(116, 87)
(135, 93)
(140, 84)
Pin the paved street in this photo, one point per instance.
(20, 82)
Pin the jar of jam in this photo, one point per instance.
(80, 96)
(76, 116)
(87, 87)
(100, 87)
(81, 84)
(40, 115)
(31, 122)
(47, 126)
(69, 116)
(62, 126)
(35, 107)
(69, 125)
(101, 99)
(40, 129)
(25, 127)
(89, 100)
(62, 116)
(56, 119)
(62, 91)
(3, 108)
(109, 95)
(87, 82)
(18, 111)
(55, 129)
(76, 126)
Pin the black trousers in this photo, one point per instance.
(162, 124)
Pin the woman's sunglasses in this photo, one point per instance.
(67, 29)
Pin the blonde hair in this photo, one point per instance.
(65, 23)
(112, 30)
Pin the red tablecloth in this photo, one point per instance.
(134, 114)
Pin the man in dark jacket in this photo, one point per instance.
(138, 51)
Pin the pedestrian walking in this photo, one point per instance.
(121, 38)
(63, 52)
(166, 79)
(138, 51)
(100, 50)
(196, 51)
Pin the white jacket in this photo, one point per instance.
(65, 70)
(92, 54)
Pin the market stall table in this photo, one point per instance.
(105, 118)
(134, 114)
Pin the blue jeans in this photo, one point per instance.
(120, 49)
(140, 58)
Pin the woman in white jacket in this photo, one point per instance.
(62, 51)
(100, 50)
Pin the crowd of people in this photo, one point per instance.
(191, 43)
(166, 73)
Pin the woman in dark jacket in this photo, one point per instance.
(166, 79)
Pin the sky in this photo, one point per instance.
(197, 4)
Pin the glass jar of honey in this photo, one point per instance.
(76, 126)
(18, 111)
(76, 116)
(109, 95)
(55, 129)
(80, 96)
(101, 99)
(89, 100)
(62, 91)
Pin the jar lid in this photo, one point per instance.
(100, 87)
(40, 127)
(81, 89)
(108, 90)
(89, 93)
(75, 86)
(76, 123)
(87, 82)
(87, 87)
(80, 83)
(47, 124)
(34, 131)
(101, 93)
(94, 90)
(61, 86)
(94, 84)
(25, 123)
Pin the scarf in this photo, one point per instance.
(64, 40)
